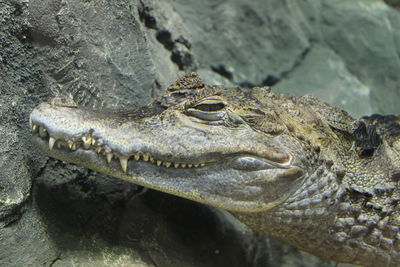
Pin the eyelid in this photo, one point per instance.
(214, 104)
(208, 116)
(212, 100)
(209, 109)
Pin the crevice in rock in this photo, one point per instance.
(393, 3)
(269, 80)
(165, 38)
(179, 46)
(55, 260)
(297, 61)
(146, 17)
(222, 70)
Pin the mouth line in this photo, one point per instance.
(90, 143)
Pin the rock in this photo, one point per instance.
(328, 79)
(123, 53)
(97, 53)
(21, 87)
(251, 39)
(368, 46)
(272, 43)
(394, 3)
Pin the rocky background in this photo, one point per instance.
(123, 53)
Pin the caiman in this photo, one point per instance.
(291, 167)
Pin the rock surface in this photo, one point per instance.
(122, 53)
(343, 48)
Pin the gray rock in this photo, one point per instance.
(329, 80)
(249, 42)
(368, 45)
(95, 52)
(20, 88)
(272, 42)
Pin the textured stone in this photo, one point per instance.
(94, 220)
(330, 80)
(345, 52)
(20, 89)
(96, 52)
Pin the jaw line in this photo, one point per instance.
(92, 160)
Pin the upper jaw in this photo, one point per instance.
(104, 140)
(65, 127)
(144, 151)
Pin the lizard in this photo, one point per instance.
(291, 167)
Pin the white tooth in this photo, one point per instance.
(196, 165)
(137, 156)
(34, 128)
(30, 122)
(84, 139)
(176, 165)
(167, 164)
(72, 146)
(42, 132)
(202, 164)
(93, 141)
(190, 165)
(98, 149)
(124, 163)
(109, 157)
(87, 141)
(152, 160)
(52, 141)
(146, 157)
(183, 165)
(159, 162)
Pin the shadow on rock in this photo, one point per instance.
(92, 216)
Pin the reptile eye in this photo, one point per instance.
(210, 104)
(209, 109)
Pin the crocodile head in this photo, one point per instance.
(235, 150)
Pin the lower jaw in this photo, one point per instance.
(61, 150)
(166, 179)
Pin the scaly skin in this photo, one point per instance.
(294, 168)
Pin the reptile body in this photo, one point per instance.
(291, 167)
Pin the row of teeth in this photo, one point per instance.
(90, 143)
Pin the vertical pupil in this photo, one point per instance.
(210, 107)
